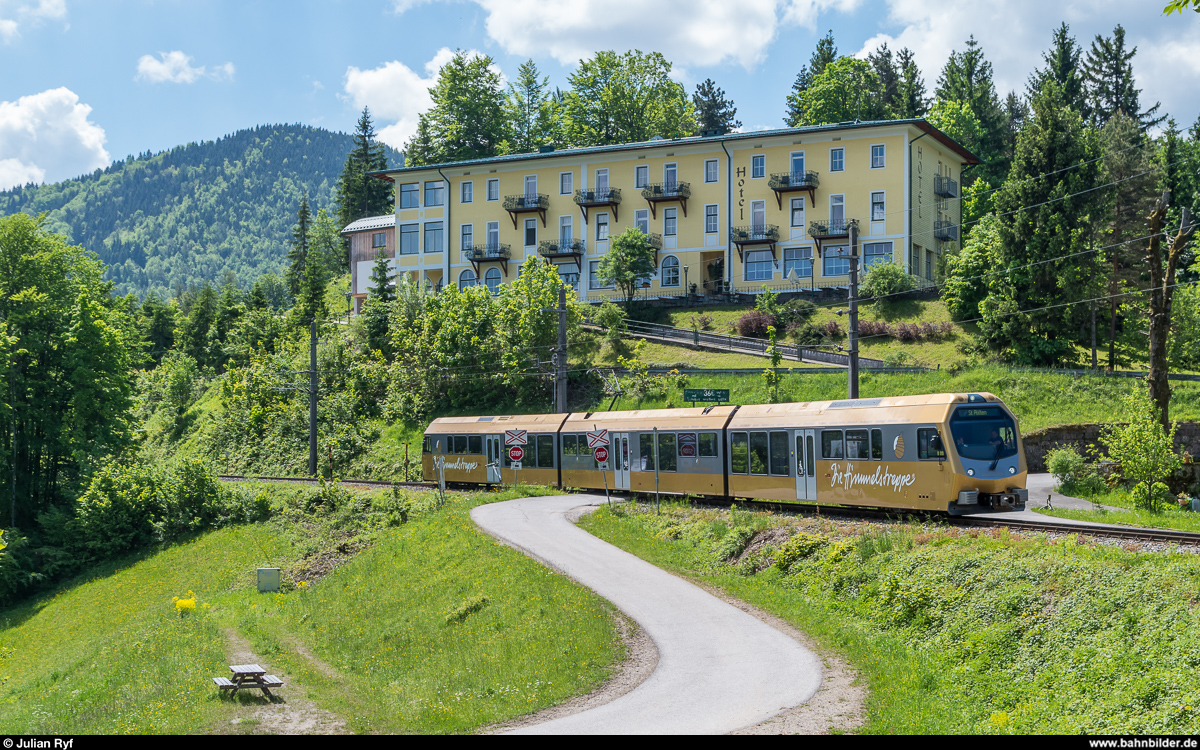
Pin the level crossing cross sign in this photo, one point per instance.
(514, 437)
(597, 438)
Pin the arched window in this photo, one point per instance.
(492, 279)
(466, 279)
(670, 272)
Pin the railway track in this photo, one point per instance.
(310, 480)
(1131, 533)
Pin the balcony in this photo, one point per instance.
(480, 254)
(659, 192)
(553, 249)
(793, 182)
(527, 203)
(945, 187)
(944, 230)
(830, 230)
(761, 234)
(586, 199)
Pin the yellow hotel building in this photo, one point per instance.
(725, 213)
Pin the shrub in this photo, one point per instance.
(1065, 463)
(804, 334)
(874, 328)
(800, 546)
(767, 303)
(702, 322)
(907, 332)
(1152, 497)
(1145, 451)
(612, 318)
(754, 324)
(883, 280)
(796, 311)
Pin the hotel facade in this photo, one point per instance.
(725, 213)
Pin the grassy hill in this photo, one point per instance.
(188, 215)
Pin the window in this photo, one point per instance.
(877, 206)
(759, 265)
(929, 265)
(835, 261)
(837, 212)
(710, 218)
(594, 281)
(601, 180)
(641, 220)
(468, 192)
(759, 453)
(708, 445)
(492, 279)
(670, 271)
(565, 183)
(566, 230)
(666, 451)
(670, 176)
(670, 222)
(831, 444)
(739, 453)
(798, 166)
(758, 166)
(530, 232)
(876, 252)
(798, 258)
(758, 216)
(837, 160)
(797, 212)
(877, 445)
(460, 443)
(857, 444)
(929, 445)
(475, 445)
(493, 234)
(466, 279)
(545, 451)
(409, 195)
(493, 187)
(531, 186)
(467, 238)
(779, 453)
(409, 237)
(711, 170)
(914, 260)
(433, 193)
(433, 237)
(877, 157)
(601, 227)
(641, 176)
(379, 239)
(646, 451)
(570, 445)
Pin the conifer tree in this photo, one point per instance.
(383, 280)
(298, 255)
(911, 98)
(967, 78)
(529, 112)
(822, 56)
(884, 64)
(713, 110)
(1063, 67)
(1108, 72)
(359, 195)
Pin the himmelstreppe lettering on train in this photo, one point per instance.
(882, 477)
(441, 463)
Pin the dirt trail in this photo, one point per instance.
(289, 713)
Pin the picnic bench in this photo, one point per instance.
(248, 676)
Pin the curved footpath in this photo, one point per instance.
(719, 668)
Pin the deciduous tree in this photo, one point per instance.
(629, 261)
(467, 119)
(625, 99)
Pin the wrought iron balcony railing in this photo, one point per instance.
(945, 187)
(550, 248)
(944, 230)
(527, 202)
(754, 234)
(822, 229)
(793, 181)
(499, 251)
(666, 191)
(598, 197)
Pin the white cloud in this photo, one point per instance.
(176, 67)
(8, 30)
(397, 93)
(24, 13)
(48, 137)
(686, 32)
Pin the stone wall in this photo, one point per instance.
(1084, 436)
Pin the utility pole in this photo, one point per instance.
(560, 352)
(312, 400)
(853, 390)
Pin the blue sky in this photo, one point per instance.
(85, 83)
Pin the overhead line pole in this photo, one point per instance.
(312, 400)
(853, 388)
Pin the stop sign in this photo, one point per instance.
(516, 453)
(601, 454)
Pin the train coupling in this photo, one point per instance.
(974, 501)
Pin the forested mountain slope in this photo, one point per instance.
(188, 215)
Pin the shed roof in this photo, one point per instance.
(370, 222)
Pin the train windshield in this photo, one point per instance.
(984, 433)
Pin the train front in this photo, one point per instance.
(992, 471)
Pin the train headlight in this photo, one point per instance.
(970, 472)
(1012, 470)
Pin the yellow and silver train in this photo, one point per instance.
(949, 452)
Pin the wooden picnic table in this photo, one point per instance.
(249, 676)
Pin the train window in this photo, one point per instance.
(646, 450)
(570, 445)
(812, 459)
(929, 445)
(666, 451)
(475, 445)
(739, 454)
(983, 433)
(687, 445)
(460, 443)
(759, 453)
(831, 443)
(799, 455)
(427, 445)
(856, 444)
(708, 444)
(877, 445)
(545, 451)
(779, 453)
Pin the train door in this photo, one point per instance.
(493, 458)
(805, 461)
(620, 460)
